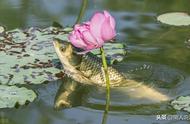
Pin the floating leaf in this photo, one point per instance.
(12, 95)
(182, 103)
(175, 18)
(27, 56)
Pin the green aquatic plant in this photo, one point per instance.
(82, 11)
(28, 56)
(181, 103)
(12, 96)
(175, 18)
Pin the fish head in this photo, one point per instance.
(67, 53)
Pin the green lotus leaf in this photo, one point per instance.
(28, 56)
(12, 95)
(175, 18)
(181, 103)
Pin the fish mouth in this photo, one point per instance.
(56, 44)
(57, 47)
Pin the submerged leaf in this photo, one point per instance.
(175, 18)
(12, 95)
(182, 103)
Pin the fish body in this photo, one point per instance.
(87, 69)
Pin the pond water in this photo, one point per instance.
(161, 51)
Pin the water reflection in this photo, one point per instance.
(69, 94)
(105, 115)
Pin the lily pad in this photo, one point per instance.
(27, 56)
(12, 95)
(175, 18)
(182, 103)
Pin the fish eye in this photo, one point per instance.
(63, 48)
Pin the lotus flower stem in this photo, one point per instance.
(82, 10)
(104, 62)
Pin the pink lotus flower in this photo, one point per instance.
(94, 33)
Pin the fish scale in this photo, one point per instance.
(91, 67)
